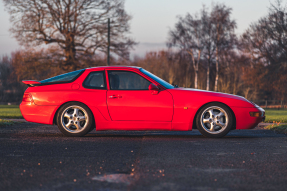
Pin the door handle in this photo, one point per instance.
(115, 96)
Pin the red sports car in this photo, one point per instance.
(131, 98)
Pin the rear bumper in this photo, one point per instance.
(38, 114)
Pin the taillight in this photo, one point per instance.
(27, 97)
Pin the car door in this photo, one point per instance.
(129, 99)
(94, 93)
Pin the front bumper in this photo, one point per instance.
(243, 118)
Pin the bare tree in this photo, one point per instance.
(78, 27)
(266, 40)
(205, 36)
(187, 36)
(266, 43)
(224, 33)
(208, 41)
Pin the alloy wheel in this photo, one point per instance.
(214, 119)
(74, 119)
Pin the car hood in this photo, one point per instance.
(217, 96)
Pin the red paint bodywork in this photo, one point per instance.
(30, 82)
(169, 109)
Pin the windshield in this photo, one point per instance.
(68, 77)
(157, 79)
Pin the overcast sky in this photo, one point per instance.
(152, 20)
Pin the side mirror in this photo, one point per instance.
(153, 88)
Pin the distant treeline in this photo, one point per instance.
(202, 52)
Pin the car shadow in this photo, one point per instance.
(34, 130)
(185, 134)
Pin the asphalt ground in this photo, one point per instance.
(39, 157)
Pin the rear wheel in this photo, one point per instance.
(214, 120)
(75, 119)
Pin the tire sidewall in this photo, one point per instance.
(86, 130)
(225, 131)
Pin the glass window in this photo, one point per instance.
(95, 80)
(68, 77)
(122, 80)
(159, 80)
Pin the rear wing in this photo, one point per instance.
(31, 83)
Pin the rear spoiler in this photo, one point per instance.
(31, 83)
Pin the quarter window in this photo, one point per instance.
(122, 80)
(95, 80)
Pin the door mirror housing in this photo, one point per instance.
(153, 88)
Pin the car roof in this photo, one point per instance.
(113, 67)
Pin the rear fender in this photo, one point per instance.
(97, 115)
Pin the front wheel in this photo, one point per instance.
(74, 119)
(214, 120)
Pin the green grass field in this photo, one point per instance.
(10, 112)
(276, 115)
(13, 112)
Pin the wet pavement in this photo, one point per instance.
(39, 157)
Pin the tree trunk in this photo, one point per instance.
(196, 76)
(217, 69)
(171, 75)
(195, 66)
(186, 73)
(70, 53)
(228, 77)
(235, 84)
(208, 72)
(195, 79)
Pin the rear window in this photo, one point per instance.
(68, 77)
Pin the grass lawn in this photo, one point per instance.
(274, 115)
(10, 112)
(13, 112)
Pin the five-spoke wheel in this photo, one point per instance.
(74, 119)
(214, 120)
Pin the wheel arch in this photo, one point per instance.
(56, 113)
(194, 118)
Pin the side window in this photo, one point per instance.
(122, 80)
(95, 80)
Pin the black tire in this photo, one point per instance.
(80, 120)
(217, 125)
(92, 126)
